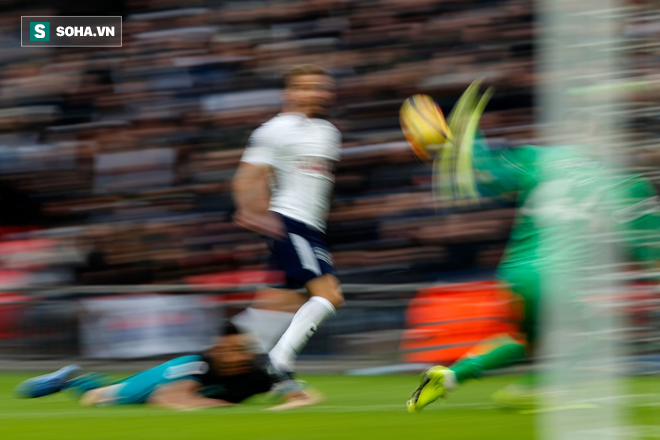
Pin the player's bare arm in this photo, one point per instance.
(251, 192)
(183, 395)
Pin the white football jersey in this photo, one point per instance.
(303, 153)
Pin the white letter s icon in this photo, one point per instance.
(39, 31)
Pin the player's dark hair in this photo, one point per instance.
(303, 69)
(229, 329)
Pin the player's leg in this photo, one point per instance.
(503, 350)
(135, 389)
(267, 318)
(304, 256)
(94, 389)
(325, 296)
(46, 384)
(522, 393)
(495, 352)
(85, 387)
(269, 315)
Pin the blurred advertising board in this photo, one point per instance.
(146, 325)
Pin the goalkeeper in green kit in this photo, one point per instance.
(565, 203)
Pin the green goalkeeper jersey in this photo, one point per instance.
(570, 210)
(566, 201)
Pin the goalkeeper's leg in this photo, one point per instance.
(438, 381)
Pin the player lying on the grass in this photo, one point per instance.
(563, 199)
(225, 374)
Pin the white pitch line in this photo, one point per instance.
(140, 412)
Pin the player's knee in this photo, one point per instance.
(335, 297)
(327, 287)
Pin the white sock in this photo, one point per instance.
(267, 326)
(302, 328)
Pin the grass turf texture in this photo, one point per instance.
(356, 408)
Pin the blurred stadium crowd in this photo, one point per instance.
(115, 162)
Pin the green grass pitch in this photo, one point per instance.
(356, 407)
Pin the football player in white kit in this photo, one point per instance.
(282, 190)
